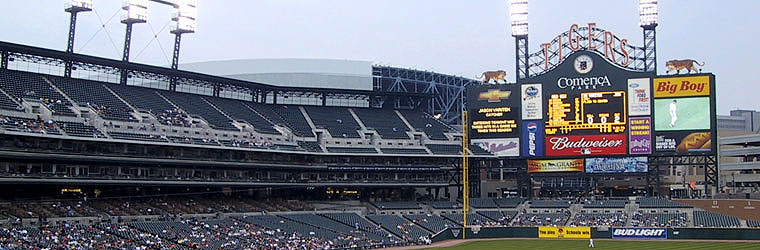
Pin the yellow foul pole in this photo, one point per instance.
(465, 174)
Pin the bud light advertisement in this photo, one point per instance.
(533, 139)
(639, 233)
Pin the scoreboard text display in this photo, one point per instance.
(588, 107)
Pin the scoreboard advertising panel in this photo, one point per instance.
(589, 108)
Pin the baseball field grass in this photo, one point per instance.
(600, 244)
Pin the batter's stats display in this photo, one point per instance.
(588, 107)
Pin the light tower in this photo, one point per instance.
(518, 16)
(648, 21)
(74, 7)
(185, 19)
(135, 11)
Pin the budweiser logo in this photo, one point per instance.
(562, 143)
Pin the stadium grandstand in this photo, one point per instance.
(98, 153)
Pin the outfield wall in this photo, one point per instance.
(597, 233)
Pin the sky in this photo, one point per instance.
(455, 37)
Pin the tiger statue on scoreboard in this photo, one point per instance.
(678, 65)
(494, 75)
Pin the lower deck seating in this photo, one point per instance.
(80, 129)
(399, 226)
(431, 222)
(599, 219)
(710, 219)
(472, 219)
(659, 219)
(541, 219)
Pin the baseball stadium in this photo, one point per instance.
(590, 146)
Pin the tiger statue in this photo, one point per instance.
(678, 65)
(494, 75)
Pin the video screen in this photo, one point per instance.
(673, 114)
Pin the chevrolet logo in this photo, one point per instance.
(494, 95)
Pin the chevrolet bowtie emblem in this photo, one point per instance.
(494, 95)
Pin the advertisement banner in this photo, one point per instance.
(493, 111)
(640, 135)
(638, 97)
(639, 233)
(543, 166)
(584, 145)
(682, 86)
(564, 232)
(617, 165)
(499, 147)
(672, 114)
(683, 142)
(532, 108)
(533, 139)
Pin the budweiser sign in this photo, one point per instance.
(586, 145)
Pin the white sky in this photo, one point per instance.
(449, 36)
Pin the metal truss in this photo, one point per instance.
(708, 162)
(434, 93)
(650, 48)
(521, 50)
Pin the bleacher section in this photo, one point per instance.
(404, 151)
(94, 95)
(445, 149)
(196, 106)
(287, 116)
(358, 222)
(710, 219)
(431, 222)
(79, 129)
(338, 121)
(659, 219)
(7, 103)
(541, 219)
(648, 202)
(420, 121)
(30, 86)
(753, 223)
(500, 217)
(549, 204)
(385, 121)
(399, 226)
(147, 100)
(472, 219)
(599, 219)
(239, 111)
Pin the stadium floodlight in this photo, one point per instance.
(135, 11)
(518, 15)
(647, 13)
(78, 5)
(185, 17)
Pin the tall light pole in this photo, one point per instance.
(648, 21)
(518, 17)
(135, 11)
(74, 7)
(185, 19)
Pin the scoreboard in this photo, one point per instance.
(589, 108)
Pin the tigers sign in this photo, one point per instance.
(564, 232)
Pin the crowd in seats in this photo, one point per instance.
(247, 143)
(541, 219)
(650, 202)
(473, 219)
(148, 100)
(195, 105)
(499, 217)
(337, 120)
(359, 223)
(28, 125)
(431, 222)
(287, 116)
(69, 237)
(640, 219)
(407, 230)
(432, 127)
(599, 219)
(404, 151)
(193, 140)
(31, 86)
(710, 219)
(80, 129)
(95, 95)
(385, 121)
(239, 111)
(310, 146)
